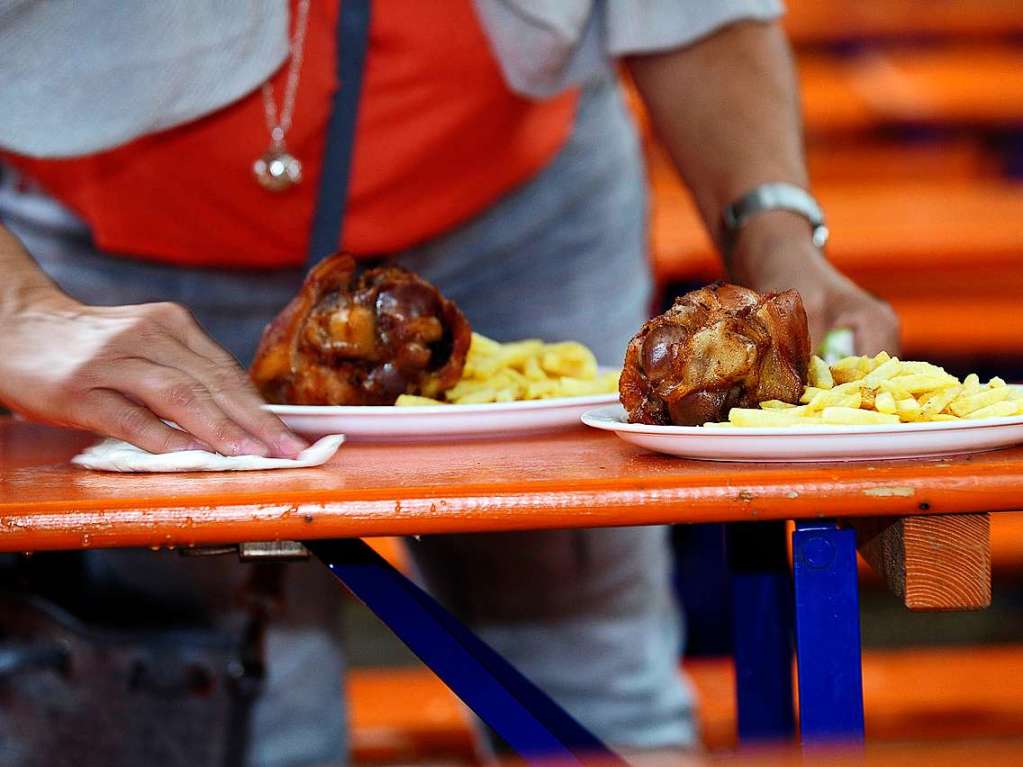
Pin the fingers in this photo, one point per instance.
(868, 339)
(891, 329)
(818, 330)
(237, 397)
(875, 331)
(172, 394)
(183, 326)
(189, 349)
(109, 412)
(871, 340)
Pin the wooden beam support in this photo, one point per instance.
(932, 563)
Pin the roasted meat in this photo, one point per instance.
(361, 339)
(716, 348)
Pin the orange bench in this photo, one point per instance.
(1007, 542)
(908, 694)
(918, 228)
(947, 255)
(876, 225)
(868, 160)
(406, 715)
(831, 101)
(918, 694)
(826, 21)
(947, 85)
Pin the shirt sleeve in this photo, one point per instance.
(547, 46)
(639, 26)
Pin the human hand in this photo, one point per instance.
(774, 253)
(120, 370)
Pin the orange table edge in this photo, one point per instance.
(579, 478)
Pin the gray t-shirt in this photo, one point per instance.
(79, 76)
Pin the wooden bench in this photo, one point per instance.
(912, 694)
(946, 254)
(404, 715)
(852, 160)
(881, 226)
(918, 694)
(971, 84)
(831, 21)
(831, 101)
(952, 84)
(1007, 542)
(935, 86)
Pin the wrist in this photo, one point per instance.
(768, 244)
(32, 293)
(24, 286)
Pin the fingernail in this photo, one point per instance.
(197, 445)
(250, 447)
(288, 446)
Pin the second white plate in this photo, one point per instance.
(813, 443)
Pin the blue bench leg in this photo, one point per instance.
(827, 633)
(762, 630)
(517, 710)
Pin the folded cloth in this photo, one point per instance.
(115, 455)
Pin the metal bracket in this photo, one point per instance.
(253, 551)
(264, 551)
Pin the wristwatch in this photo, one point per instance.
(776, 196)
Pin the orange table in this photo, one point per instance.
(579, 478)
(576, 479)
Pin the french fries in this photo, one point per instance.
(883, 390)
(522, 370)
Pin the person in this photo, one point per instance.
(495, 157)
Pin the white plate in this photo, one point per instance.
(813, 442)
(386, 423)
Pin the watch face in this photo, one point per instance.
(777, 196)
(820, 235)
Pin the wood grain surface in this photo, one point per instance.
(578, 478)
(932, 563)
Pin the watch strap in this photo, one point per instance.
(776, 196)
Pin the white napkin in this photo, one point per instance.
(115, 455)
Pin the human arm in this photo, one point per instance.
(119, 370)
(727, 110)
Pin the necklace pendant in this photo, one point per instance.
(277, 170)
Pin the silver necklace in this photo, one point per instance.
(278, 169)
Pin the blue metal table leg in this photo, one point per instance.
(518, 711)
(827, 632)
(762, 630)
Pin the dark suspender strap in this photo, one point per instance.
(352, 42)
